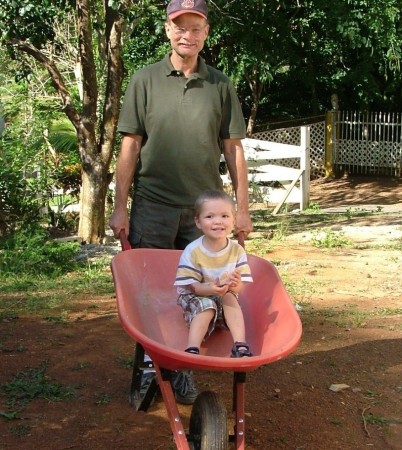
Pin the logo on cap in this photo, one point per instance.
(178, 7)
(188, 4)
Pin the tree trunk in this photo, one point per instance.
(92, 206)
(96, 149)
(256, 89)
(251, 119)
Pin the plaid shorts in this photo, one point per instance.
(193, 305)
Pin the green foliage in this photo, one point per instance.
(38, 154)
(373, 419)
(19, 186)
(328, 238)
(63, 170)
(148, 42)
(9, 415)
(81, 365)
(29, 251)
(360, 212)
(290, 57)
(53, 299)
(31, 20)
(21, 430)
(344, 47)
(33, 383)
(313, 207)
(102, 399)
(18, 198)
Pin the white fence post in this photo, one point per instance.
(260, 153)
(305, 166)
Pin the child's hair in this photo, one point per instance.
(212, 195)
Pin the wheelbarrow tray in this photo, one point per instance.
(146, 300)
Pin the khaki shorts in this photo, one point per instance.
(156, 225)
(193, 305)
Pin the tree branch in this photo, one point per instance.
(90, 83)
(56, 77)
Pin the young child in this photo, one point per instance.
(211, 273)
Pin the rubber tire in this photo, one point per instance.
(208, 423)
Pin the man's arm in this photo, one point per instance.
(236, 162)
(125, 168)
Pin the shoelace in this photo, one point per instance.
(184, 382)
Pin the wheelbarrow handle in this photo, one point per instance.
(125, 245)
(241, 238)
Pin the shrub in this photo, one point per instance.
(30, 251)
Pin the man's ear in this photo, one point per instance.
(167, 29)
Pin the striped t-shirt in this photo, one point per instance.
(197, 264)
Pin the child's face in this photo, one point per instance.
(216, 219)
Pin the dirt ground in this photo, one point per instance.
(350, 302)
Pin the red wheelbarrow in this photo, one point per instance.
(146, 301)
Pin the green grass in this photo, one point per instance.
(301, 290)
(361, 212)
(327, 238)
(313, 207)
(42, 277)
(31, 384)
(396, 245)
(372, 419)
(348, 316)
(127, 362)
(336, 421)
(20, 430)
(103, 399)
(382, 312)
(81, 365)
(313, 218)
(53, 298)
(259, 246)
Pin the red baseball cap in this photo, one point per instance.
(178, 7)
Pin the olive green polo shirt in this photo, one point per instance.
(182, 121)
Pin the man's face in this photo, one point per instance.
(187, 34)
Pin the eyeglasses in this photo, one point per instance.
(179, 31)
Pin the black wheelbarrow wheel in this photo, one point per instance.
(208, 423)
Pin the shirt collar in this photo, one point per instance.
(171, 71)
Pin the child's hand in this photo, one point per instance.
(235, 283)
(219, 289)
(213, 288)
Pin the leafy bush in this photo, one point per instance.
(18, 200)
(29, 251)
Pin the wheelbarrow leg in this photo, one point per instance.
(239, 382)
(141, 404)
(172, 409)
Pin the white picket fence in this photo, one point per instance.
(277, 183)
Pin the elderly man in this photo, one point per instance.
(177, 117)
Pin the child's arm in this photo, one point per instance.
(209, 289)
